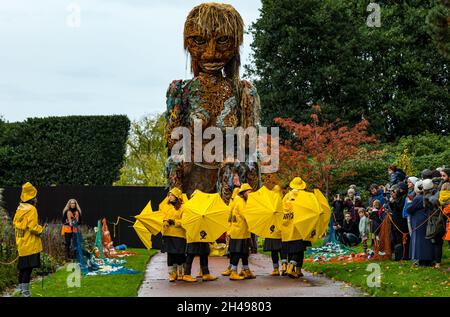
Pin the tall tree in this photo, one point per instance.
(308, 52)
(146, 153)
(317, 149)
(439, 26)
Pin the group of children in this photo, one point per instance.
(287, 245)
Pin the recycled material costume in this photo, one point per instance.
(173, 235)
(213, 34)
(28, 237)
(292, 244)
(239, 247)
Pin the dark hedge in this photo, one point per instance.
(74, 150)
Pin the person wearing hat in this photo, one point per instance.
(239, 237)
(273, 245)
(28, 237)
(173, 235)
(396, 203)
(231, 203)
(291, 243)
(421, 250)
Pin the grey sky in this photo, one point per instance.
(120, 61)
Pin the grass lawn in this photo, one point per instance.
(398, 279)
(97, 286)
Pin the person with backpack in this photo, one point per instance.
(436, 224)
(71, 219)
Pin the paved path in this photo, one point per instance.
(156, 283)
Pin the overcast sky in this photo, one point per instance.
(119, 61)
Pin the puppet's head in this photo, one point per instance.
(213, 34)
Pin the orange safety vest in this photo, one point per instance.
(66, 226)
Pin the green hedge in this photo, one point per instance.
(75, 150)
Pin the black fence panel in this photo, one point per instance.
(96, 202)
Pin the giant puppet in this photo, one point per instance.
(213, 35)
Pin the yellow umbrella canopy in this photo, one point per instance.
(143, 234)
(205, 217)
(306, 213)
(325, 216)
(152, 221)
(264, 213)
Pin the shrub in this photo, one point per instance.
(76, 150)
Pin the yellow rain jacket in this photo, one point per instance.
(27, 230)
(444, 196)
(170, 212)
(288, 230)
(238, 227)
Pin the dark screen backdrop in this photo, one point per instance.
(96, 202)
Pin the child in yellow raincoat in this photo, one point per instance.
(239, 237)
(274, 245)
(444, 200)
(232, 202)
(173, 235)
(202, 250)
(28, 237)
(292, 244)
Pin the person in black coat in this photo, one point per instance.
(348, 233)
(338, 210)
(396, 204)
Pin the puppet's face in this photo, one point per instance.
(210, 52)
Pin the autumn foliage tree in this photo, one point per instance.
(316, 150)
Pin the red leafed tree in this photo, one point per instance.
(317, 149)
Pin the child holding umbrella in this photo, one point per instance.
(204, 219)
(173, 235)
(239, 236)
(274, 245)
(292, 244)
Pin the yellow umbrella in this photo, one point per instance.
(264, 213)
(143, 234)
(153, 221)
(141, 230)
(306, 213)
(325, 216)
(205, 217)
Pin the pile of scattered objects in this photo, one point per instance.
(102, 259)
(332, 252)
